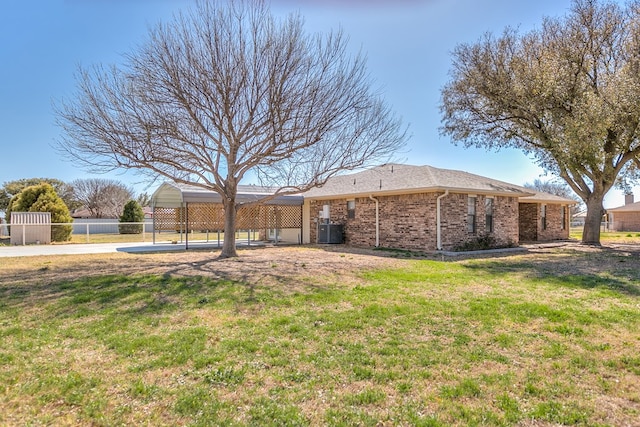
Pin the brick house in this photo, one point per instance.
(625, 218)
(543, 217)
(394, 205)
(427, 208)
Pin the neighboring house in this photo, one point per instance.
(394, 205)
(578, 218)
(148, 211)
(427, 208)
(83, 213)
(625, 218)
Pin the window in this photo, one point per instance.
(488, 212)
(564, 217)
(543, 216)
(351, 209)
(471, 214)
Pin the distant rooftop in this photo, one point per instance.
(629, 207)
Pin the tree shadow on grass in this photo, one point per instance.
(616, 270)
(124, 295)
(235, 284)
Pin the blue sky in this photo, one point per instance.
(407, 42)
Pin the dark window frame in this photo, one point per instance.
(471, 214)
(351, 211)
(488, 211)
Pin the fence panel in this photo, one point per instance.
(103, 226)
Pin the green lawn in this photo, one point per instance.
(546, 339)
(610, 236)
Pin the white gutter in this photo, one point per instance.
(377, 220)
(438, 222)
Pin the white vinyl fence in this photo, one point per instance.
(105, 226)
(26, 231)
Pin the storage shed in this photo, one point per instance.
(197, 214)
(30, 227)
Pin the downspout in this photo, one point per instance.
(438, 221)
(377, 220)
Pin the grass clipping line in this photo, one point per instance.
(322, 336)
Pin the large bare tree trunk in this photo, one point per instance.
(229, 244)
(595, 210)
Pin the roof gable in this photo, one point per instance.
(401, 179)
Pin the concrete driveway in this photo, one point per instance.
(97, 248)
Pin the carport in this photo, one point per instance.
(192, 213)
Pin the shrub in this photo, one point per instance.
(132, 212)
(43, 198)
(481, 243)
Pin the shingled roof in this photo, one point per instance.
(540, 197)
(396, 178)
(629, 207)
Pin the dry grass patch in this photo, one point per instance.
(308, 336)
(268, 266)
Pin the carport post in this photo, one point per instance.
(186, 227)
(153, 226)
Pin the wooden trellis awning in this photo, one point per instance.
(185, 207)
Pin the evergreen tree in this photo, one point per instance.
(132, 213)
(11, 189)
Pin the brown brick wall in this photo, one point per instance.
(528, 213)
(626, 221)
(531, 226)
(409, 221)
(506, 220)
(555, 230)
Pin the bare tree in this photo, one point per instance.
(144, 199)
(104, 198)
(225, 90)
(566, 93)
